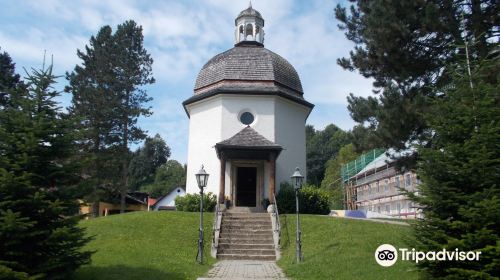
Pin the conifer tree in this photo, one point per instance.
(38, 237)
(8, 77)
(134, 71)
(460, 194)
(107, 100)
(92, 87)
(406, 47)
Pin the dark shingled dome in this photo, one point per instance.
(247, 62)
(249, 12)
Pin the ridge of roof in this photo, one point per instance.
(248, 137)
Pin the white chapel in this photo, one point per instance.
(247, 120)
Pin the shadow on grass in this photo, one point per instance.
(286, 241)
(322, 252)
(124, 272)
(285, 235)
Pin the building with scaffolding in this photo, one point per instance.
(372, 184)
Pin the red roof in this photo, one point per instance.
(151, 201)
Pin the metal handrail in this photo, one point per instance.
(278, 226)
(214, 228)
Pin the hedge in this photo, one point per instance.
(312, 200)
(191, 202)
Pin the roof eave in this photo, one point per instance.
(216, 92)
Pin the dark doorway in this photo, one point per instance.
(246, 186)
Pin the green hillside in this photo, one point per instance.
(146, 245)
(337, 248)
(162, 245)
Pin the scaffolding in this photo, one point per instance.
(352, 168)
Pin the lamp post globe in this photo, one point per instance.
(297, 180)
(201, 179)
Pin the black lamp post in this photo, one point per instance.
(297, 179)
(201, 179)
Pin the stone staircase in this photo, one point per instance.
(246, 236)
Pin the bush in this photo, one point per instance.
(191, 202)
(312, 200)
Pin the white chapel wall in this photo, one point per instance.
(261, 107)
(217, 119)
(291, 134)
(204, 131)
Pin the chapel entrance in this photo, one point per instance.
(246, 186)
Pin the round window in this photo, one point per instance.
(246, 118)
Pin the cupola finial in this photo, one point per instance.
(250, 4)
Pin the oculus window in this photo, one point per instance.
(247, 118)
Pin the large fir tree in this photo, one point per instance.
(414, 50)
(405, 46)
(93, 101)
(107, 100)
(134, 70)
(460, 194)
(38, 237)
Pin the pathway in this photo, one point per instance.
(375, 220)
(242, 270)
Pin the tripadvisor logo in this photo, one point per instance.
(387, 255)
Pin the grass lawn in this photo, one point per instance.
(336, 248)
(163, 245)
(146, 245)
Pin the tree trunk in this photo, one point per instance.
(95, 199)
(124, 188)
(123, 194)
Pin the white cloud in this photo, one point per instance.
(91, 18)
(30, 45)
(181, 36)
(53, 8)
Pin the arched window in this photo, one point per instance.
(258, 35)
(241, 34)
(249, 32)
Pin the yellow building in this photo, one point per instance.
(106, 208)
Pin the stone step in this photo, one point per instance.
(246, 236)
(246, 221)
(245, 215)
(247, 251)
(243, 209)
(269, 246)
(245, 227)
(228, 231)
(247, 240)
(248, 226)
(241, 219)
(246, 257)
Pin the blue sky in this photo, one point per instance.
(181, 36)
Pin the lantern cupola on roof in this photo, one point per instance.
(249, 27)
